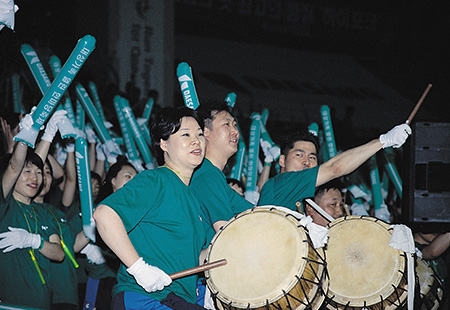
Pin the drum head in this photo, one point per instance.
(264, 251)
(361, 264)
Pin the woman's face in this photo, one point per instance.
(95, 188)
(185, 149)
(123, 176)
(48, 179)
(28, 183)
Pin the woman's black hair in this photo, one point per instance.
(231, 181)
(166, 123)
(106, 188)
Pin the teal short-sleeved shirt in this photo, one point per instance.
(63, 275)
(20, 283)
(219, 201)
(164, 222)
(287, 188)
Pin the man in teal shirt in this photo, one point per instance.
(217, 198)
(300, 172)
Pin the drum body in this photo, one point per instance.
(429, 285)
(271, 263)
(365, 272)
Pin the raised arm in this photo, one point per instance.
(70, 185)
(348, 161)
(14, 168)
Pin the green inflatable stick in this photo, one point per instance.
(17, 97)
(98, 104)
(253, 152)
(80, 116)
(140, 141)
(127, 135)
(96, 121)
(328, 130)
(60, 84)
(381, 210)
(85, 187)
(184, 74)
(231, 100)
(313, 128)
(148, 110)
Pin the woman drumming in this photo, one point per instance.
(154, 224)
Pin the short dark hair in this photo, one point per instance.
(289, 141)
(232, 181)
(333, 184)
(166, 123)
(209, 110)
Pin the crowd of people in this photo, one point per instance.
(151, 223)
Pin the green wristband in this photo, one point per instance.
(41, 245)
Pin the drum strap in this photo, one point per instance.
(402, 239)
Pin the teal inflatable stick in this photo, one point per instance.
(381, 210)
(119, 141)
(17, 97)
(36, 68)
(140, 141)
(66, 128)
(264, 116)
(253, 152)
(146, 133)
(98, 104)
(268, 144)
(231, 100)
(236, 170)
(60, 84)
(96, 121)
(127, 135)
(184, 74)
(313, 128)
(328, 130)
(323, 149)
(147, 110)
(55, 65)
(393, 174)
(85, 187)
(81, 116)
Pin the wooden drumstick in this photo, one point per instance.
(418, 104)
(191, 271)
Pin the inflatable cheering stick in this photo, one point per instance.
(127, 135)
(313, 129)
(184, 74)
(88, 107)
(253, 152)
(138, 137)
(17, 98)
(55, 65)
(231, 100)
(85, 187)
(98, 104)
(60, 84)
(381, 209)
(328, 130)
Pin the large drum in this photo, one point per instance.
(271, 263)
(430, 286)
(365, 272)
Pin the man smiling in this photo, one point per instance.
(301, 172)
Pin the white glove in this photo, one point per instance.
(27, 121)
(110, 157)
(265, 146)
(396, 136)
(93, 254)
(52, 125)
(18, 238)
(107, 124)
(252, 196)
(80, 133)
(150, 278)
(90, 134)
(6, 6)
(70, 148)
(99, 152)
